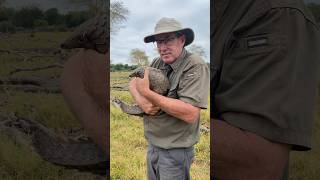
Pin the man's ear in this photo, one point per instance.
(183, 38)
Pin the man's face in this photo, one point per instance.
(169, 46)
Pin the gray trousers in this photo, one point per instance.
(169, 164)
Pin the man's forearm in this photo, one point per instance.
(140, 100)
(239, 154)
(174, 107)
(88, 101)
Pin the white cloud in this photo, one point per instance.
(143, 15)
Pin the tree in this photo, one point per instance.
(40, 23)
(75, 18)
(53, 17)
(99, 6)
(26, 17)
(118, 15)
(122, 67)
(95, 6)
(6, 13)
(139, 57)
(197, 49)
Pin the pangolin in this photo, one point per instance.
(92, 34)
(159, 83)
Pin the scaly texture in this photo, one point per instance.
(83, 155)
(92, 34)
(159, 83)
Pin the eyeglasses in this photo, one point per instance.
(168, 41)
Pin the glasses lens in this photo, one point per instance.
(168, 41)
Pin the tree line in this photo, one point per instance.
(122, 67)
(32, 17)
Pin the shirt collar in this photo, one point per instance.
(176, 64)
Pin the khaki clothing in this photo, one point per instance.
(169, 164)
(189, 81)
(264, 68)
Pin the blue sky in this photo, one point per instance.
(143, 15)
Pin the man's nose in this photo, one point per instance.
(162, 47)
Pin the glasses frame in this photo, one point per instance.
(166, 41)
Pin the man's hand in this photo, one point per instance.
(150, 109)
(143, 85)
(153, 102)
(143, 103)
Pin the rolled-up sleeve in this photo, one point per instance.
(269, 77)
(194, 85)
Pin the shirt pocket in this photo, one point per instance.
(256, 43)
(251, 54)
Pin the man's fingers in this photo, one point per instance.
(132, 83)
(134, 79)
(153, 110)
(146, 73)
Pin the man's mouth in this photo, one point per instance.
(165, 54)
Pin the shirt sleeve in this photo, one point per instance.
(268, 82)
(194, 85)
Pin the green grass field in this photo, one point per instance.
(19, 161)
(128, 145)
(306, 165)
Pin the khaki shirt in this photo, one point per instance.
(264, 68)
(189, 83)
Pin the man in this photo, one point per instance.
(264, 84)
(172, 132)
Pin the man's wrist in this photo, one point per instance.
(147, 93)
(151, 96)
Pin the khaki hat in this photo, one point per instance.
(166, 25)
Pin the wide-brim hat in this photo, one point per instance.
(167, 25)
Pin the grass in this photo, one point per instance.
(128, 145)
(306, 165)
(19, 161)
